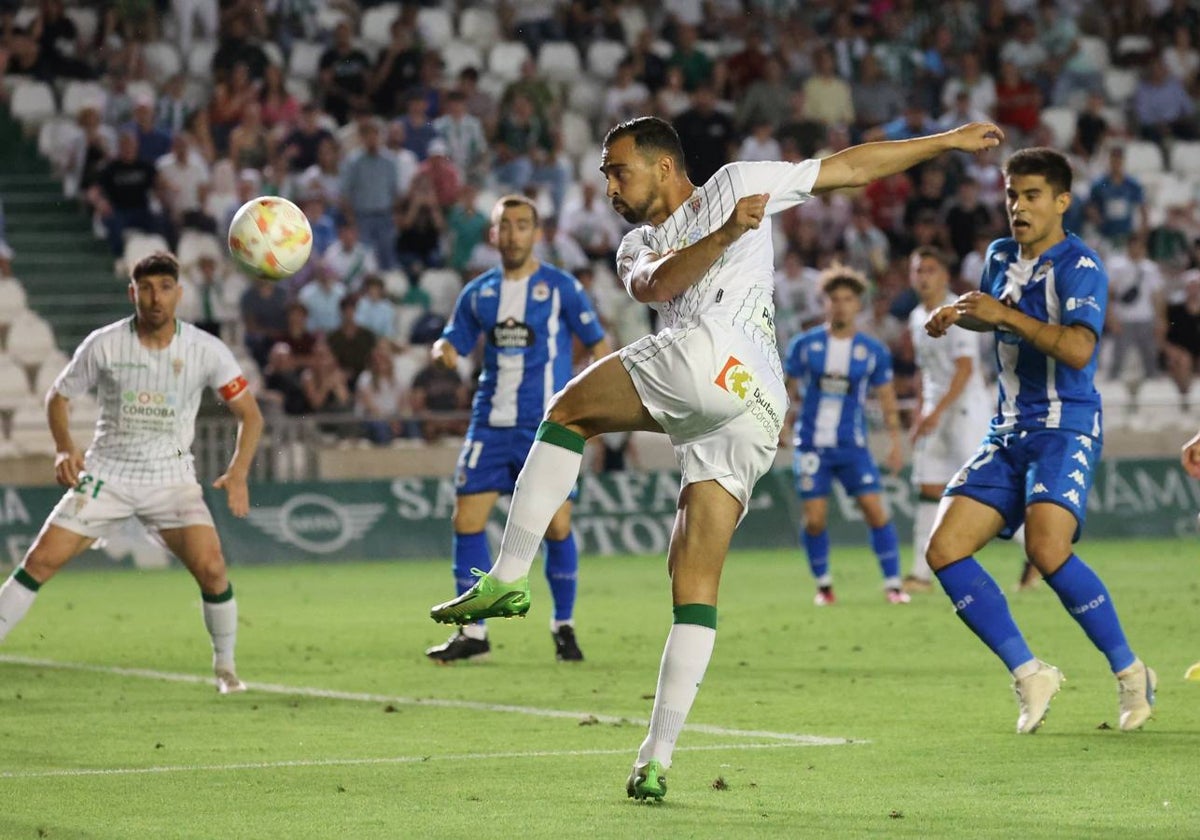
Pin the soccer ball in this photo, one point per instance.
(270, 237)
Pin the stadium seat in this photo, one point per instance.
(274, 54)
(493, 85)
(78, 95)
(1185, 157)
(162, 59)
(633, 21)
(14, 384)
(299, 88)
(407, 314)
(47, 371)
(194, 244)
(436, 26)
(395, 283)
(30, 434)
(12, 300)
(32, 104)
(459, 55)
(443, 286)
(139, 244)
(1143, 156)
(305, 62)
(56, 140)
(586, 98)
(30, 340)
(141, 88)
(1061, 122)
(712, 49)
(1096, 49)
(1119, 84)
(199, 59)
(1116, 400)
(576, 133)
(478, 26)
(1132, 48)
(505, 59)
(409, 362)
(603, 58)
(85, 20)
(377, 22)
(329, 16)
(558, 61)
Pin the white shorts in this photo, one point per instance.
(937, 457)
(718, 396)
(95, 506)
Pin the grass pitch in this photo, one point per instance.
(354, 734)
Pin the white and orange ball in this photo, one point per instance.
(270, 237)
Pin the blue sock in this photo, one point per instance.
(816, 546)
(471, 551)
(562, 573)
(1083, 594)
(982, 607)
(887, 548)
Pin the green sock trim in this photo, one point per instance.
(704, 615)
(25, 579)
(227, 595)
(561, 436)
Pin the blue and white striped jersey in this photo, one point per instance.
(834, 375)
(527, 325)
(1066, 285)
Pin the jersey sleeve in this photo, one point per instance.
(985, 275)
(964, 344)
(224, 373)
(1082, 286)
(634, 252)
(581, 316)
(788, 184)
(795, 362)
(463, 329)
(79, 377)
(881, 371)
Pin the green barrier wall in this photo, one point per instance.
(622, 513)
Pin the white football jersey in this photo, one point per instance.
(936, 358)
(148, 399)
(739, 287)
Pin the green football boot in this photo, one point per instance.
(488, 598)
(647, 781)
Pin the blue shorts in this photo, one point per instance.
(852, 466)
(1010, 472)
(492, 458)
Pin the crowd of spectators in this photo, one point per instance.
(396, 159)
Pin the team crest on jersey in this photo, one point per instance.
(734, 378)
(540, 293)
(860, 353)
(177, 366)
(696, 203)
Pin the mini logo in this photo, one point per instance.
(734, 378)
(177, 366)
(696, 203)
(999, 257)
(860, 353)
(806, 483)
(316, 523)
(587, 318)
(488, 292)
(1084, 441)
(1082, 302)
(1079, 609)
(1072, 496)
(1038, 488)
(1078, 478)
(964, 603)
(960, 478)
(1081, 458)
(867, 478)
(1086, 262)
(818, 346)
(541, 292)
(720, 294)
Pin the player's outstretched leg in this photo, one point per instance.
(52, 549)
(469, 642)
(562, 574)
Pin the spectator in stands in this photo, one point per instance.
(118, 101)
(897, 51)
(320, 218)
(350, 343)
(800, 131)
(407, 163)
(1091, 127)
(979, 85)
(532, 22)
(171, 109)
(886, 198)
(1183, 336)
(304, 142)
(437, 395)
(325, 176)
(526, 149)
(866, 246)
(349, 260)
(1181, 58)
(1136, 308)
(374, 312)
(229, 99)
(1018, 102)
(760, 143)
(342, 80)
(281, 381)
(697, 67)
(322, 296)
(297, 336)
(534, 88)
(463, 135)
(280, 110)
(466, 227)
(706, 133)
(1024, 51)
(914, 122)
(875, 97)
(960, 114)
(1162, 107)
(1115, 199)
(798, 303)
(418, 126)
(90, 152)
(327, 391)
(828, 97)
(202, 301)
(153, 142)
(60, 47)
(586, 23)
(559, 248)
(439, 170)
(122, 192)
(188, 13)
(626, 97)
(1171, 243)
(749, 64)
(931, 194)
(396, 70)
(966, 218)
(649, 67)
(971, 270)
(592, 224)
(420, 223)
(238, 45)
(251, 146)
(480, 104)
(370, 189)
(379, 397)
(264, 315)
(197, 128)
(185, 179)
(767, 98)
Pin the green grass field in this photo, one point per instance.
(353, 734)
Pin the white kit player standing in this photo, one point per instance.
(148, 372)
(955, 406)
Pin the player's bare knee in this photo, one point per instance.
(814, 524)
(210, 573)
(943, 550)
(1048, 553)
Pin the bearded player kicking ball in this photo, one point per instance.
(711, 380)
(148, 373)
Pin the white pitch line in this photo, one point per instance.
(358, 762)
(429, 702)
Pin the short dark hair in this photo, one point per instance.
(932, 252)
(1040, 160)
(514, 200)
(839, 276)
(153, 265)
(650, 134)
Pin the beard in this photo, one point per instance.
(631, 213)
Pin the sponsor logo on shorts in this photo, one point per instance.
(738, 380)
(1084, 441)
(1081, 458)
(315, 522)
(1072, 496)
(1078, 478)
(1039, 488)
(734, 378)
(806, 483)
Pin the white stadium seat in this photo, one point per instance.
(377, 21)
(633, 20)
(479, 26)
(442, 286)
(56, 139)
(274, 53)
(80, 95)
(459, 55)
(407, 314)
(193, 244)
(1119, 84)
(558, 61)
(603, 58)
(14, 385)
(305, 62)
(32, 104)
(12, 300)
(139, 244)
(85, 19)
(30, 434)
(1185, 157)
(586, 98)
(505, 59)
(1061, 122)
(576, 133)
(1143, 156)
(161, 59)
(48, 370)
(1096, 50)
(30, 340)
(199, 59)
(1134, 46)
(435, 25)
(298, 88)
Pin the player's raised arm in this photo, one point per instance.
(858, 166)
(250, 426)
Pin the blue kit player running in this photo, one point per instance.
(836, 365)
(1044, 293)
(529, 314)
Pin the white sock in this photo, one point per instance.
(545, 482)
(922, 531)
(684, 661)
(1026, 669)
(477, 631)
(825, 580)
(221, 622)
(15, 600)
(1019, 536)
(555, 624)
